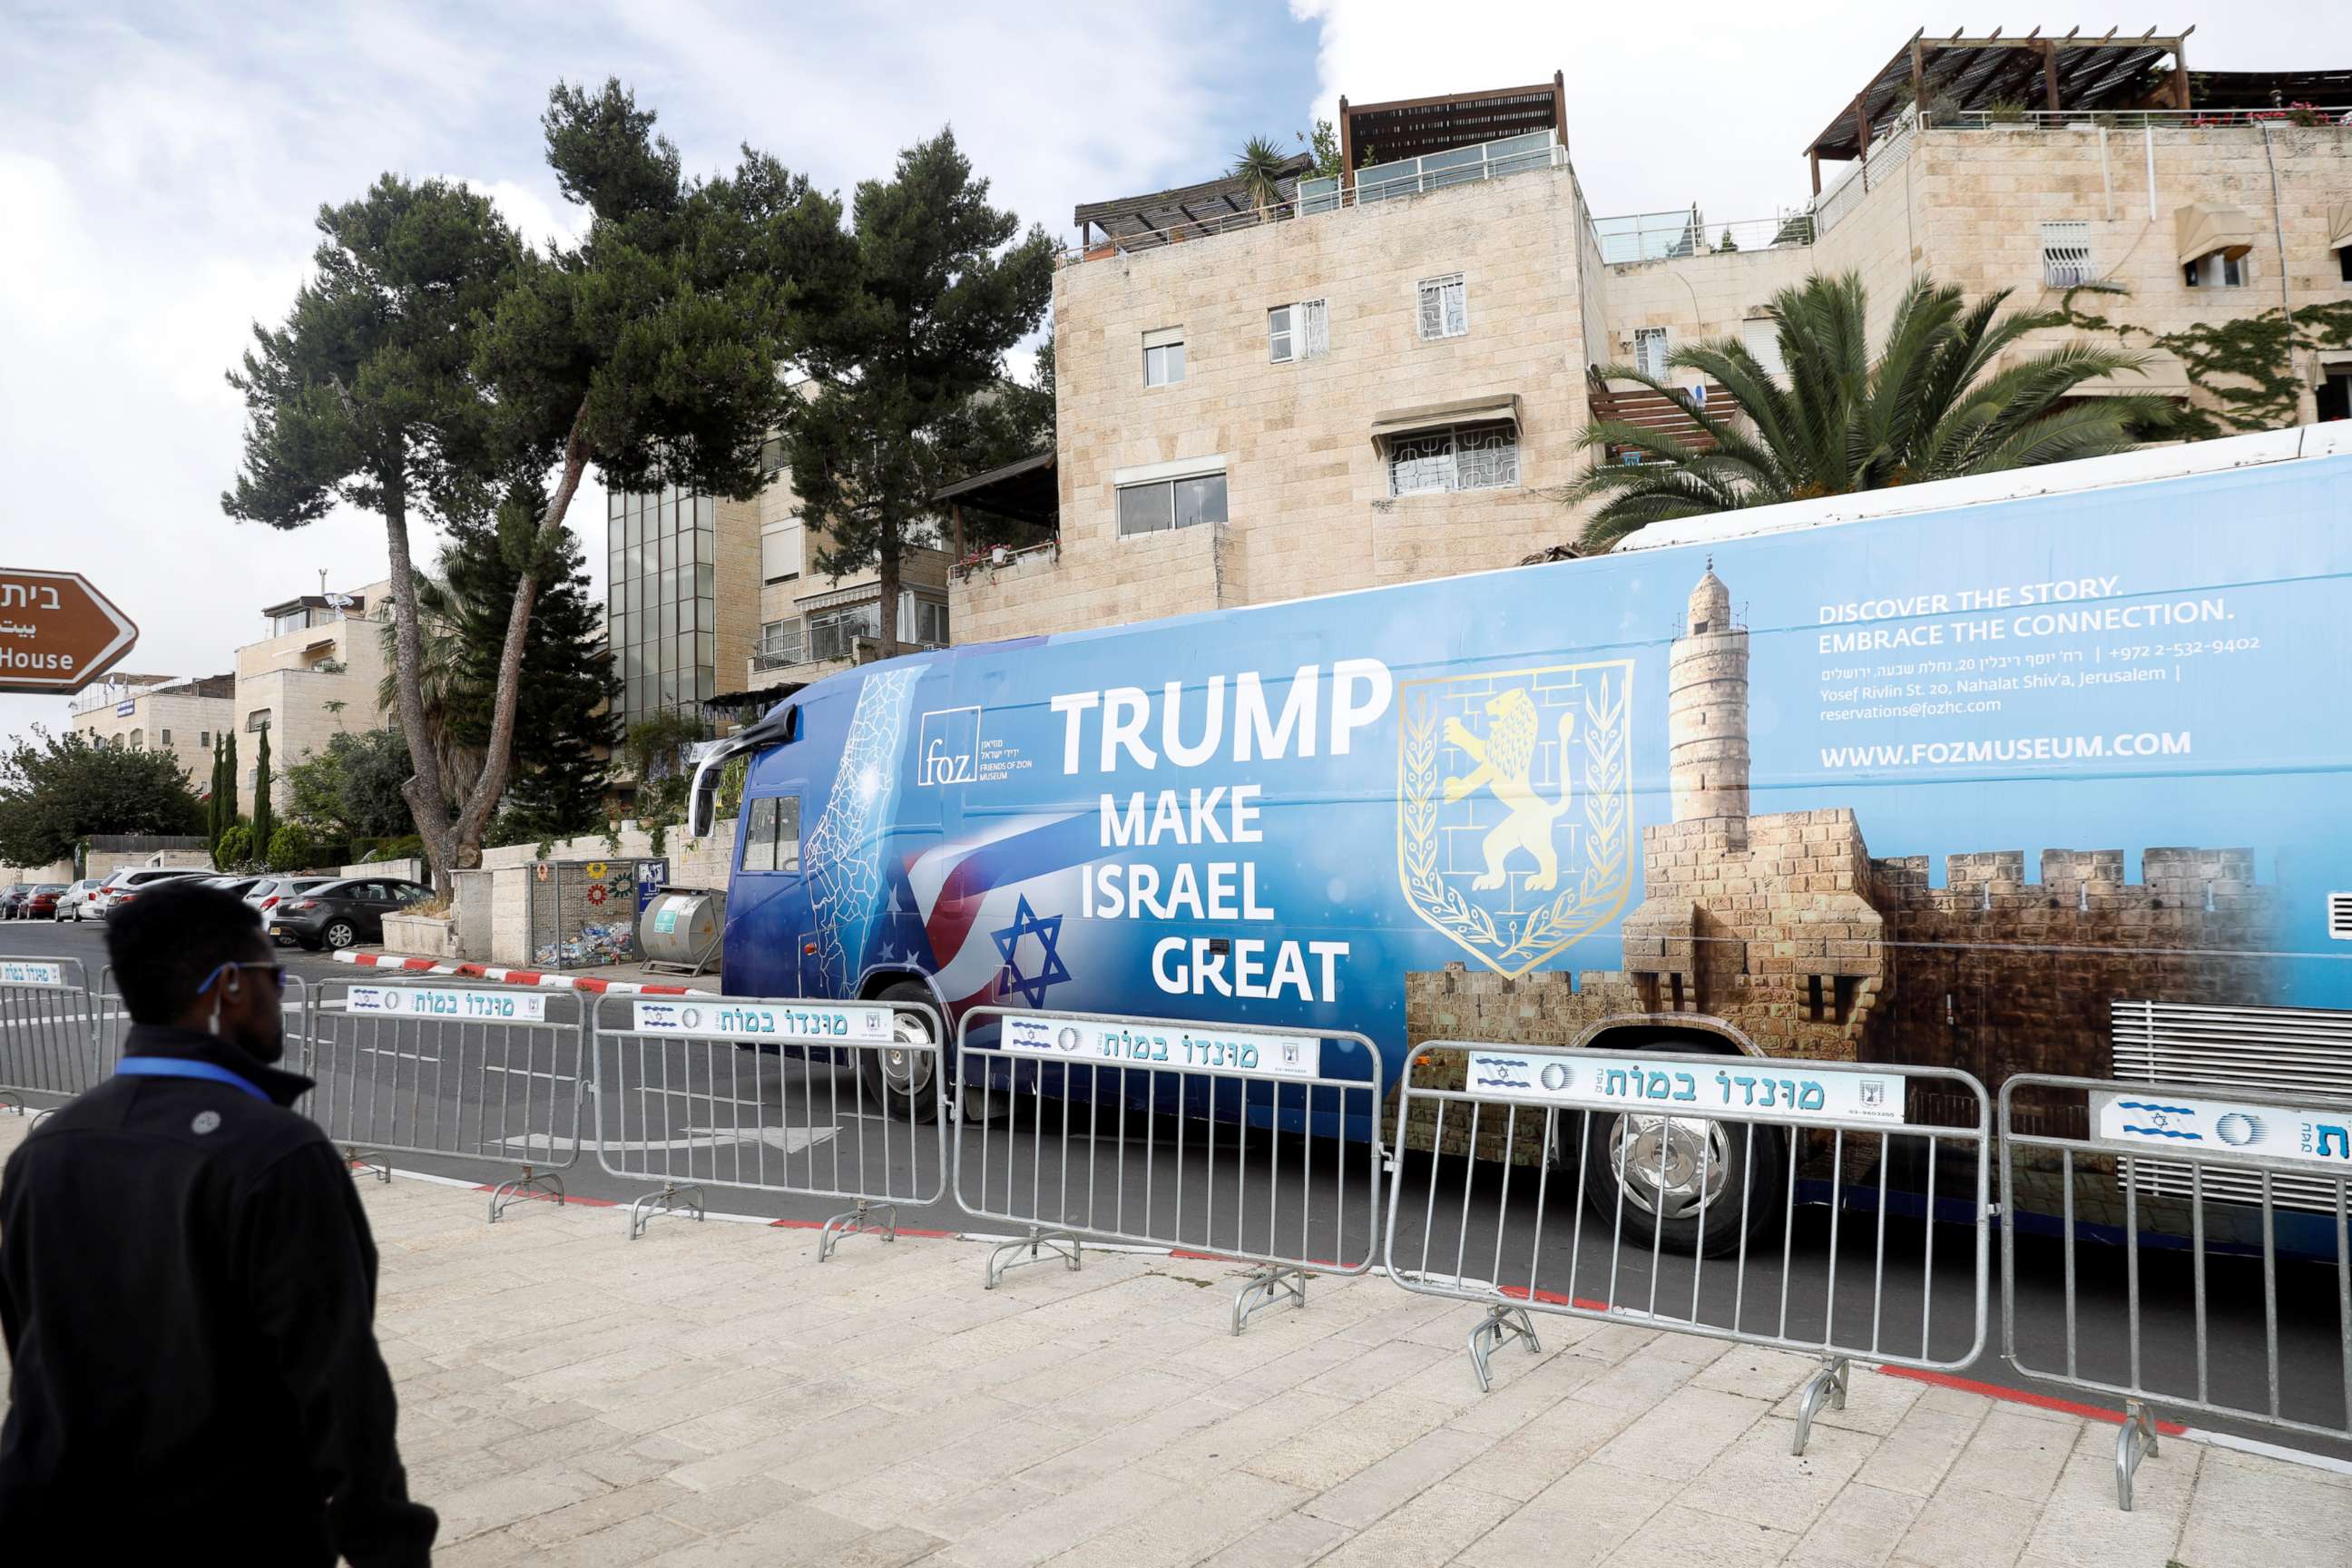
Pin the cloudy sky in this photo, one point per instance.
(161, 165)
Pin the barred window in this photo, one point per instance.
(1298, 332)
(2066, 254)
(1477, 458)
(1444, 307)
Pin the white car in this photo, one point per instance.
(75, 899)
(128, 882)
(271, 891)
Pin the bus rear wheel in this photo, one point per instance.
(1681, 1182)
(903, 1075)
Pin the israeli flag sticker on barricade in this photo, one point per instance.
(436, 1002)
(1743, 1087)
(1157, 1045)
(719, 1018)
(2203, 1129)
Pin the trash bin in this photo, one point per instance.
(679, 929)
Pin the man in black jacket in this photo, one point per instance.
(188, 1288)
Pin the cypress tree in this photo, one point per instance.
(228, 778)
(263, 823)
(213, 800)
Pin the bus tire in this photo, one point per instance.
(905, 1081)
(1622, 1169)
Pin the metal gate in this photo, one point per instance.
(110, 1020)
(2239, 1205)
(1663, 1140)
(826, 1100)
(482, 1073)
(583, 914)
(1140, 1131)
(48, 1030)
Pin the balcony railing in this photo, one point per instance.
(1686, 231)
(1374, 183)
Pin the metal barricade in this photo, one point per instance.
(1147, 1142)
(48, 1031)
(1714, 1151)
(822, 1099)
(2245, 1213)
(478, 1073)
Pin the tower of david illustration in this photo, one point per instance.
(1785, 928)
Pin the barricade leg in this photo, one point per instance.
(531, 1181)
(1826, 1387)
(11, 1101)
(1269, 1285)
(2136, 1442)
(358, 1159)
(842, 1227)
(1040, 1244)
(665, 1201)
(1500, 1323)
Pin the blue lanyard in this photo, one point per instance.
(181, 1067)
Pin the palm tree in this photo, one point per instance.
(1260, 169)
(1933, 406)
(444, 680)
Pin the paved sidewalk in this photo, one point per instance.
(711, 1395)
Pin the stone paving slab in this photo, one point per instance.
(710, 1395)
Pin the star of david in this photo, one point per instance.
(1047, 930)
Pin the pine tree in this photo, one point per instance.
(945, 284)
(262, 785)
(564, 733)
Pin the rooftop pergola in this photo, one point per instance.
(1187, 212)
(1406, 127)
(2056, 74)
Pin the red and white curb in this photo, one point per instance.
(491, 971)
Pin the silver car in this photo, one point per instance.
(75, 900)
(129, 882)
(271, 891)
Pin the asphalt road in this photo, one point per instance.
(737, 1122)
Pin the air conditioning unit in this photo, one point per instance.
(999, 556)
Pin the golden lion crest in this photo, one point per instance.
(1515, 804)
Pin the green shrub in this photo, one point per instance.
(235, 851)
(290, 848)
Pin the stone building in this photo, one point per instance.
(1383, 377)
(160, 713)
(1783, 931)
(318, 673)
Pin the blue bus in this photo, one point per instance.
(1942, 775)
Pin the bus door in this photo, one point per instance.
(772, 896)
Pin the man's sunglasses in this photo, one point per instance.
(277, 973)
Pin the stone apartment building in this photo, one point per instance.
(317, 673)
(1384, 377)
(160, 713)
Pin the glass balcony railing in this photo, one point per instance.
(1457, 166)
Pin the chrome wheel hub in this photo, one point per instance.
(1669, 1166)
(904, 1070)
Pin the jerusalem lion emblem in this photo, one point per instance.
(1514, 806)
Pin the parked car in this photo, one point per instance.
(126, 884)
(43, 904)
(74, 900)
(240, 885)
(11, 899)
(271, 891)
(343, 913)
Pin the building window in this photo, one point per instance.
(1444, 307)
(162, 737)
(1650, 352)
(779, 644)
(291, 621)
(1163, 357)
(2344, 261)
(780, 554)
(2219, 270)
(1761, 336)
(204, 737)
(923, 622)
(2065, 253)
(834, 634)
(1298, 332)
(1479, 457)
(771, 457)
(138, 740)
(257, 719)
(1162, 504)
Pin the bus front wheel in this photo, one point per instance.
(904, 1074)
(1684, 1182)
